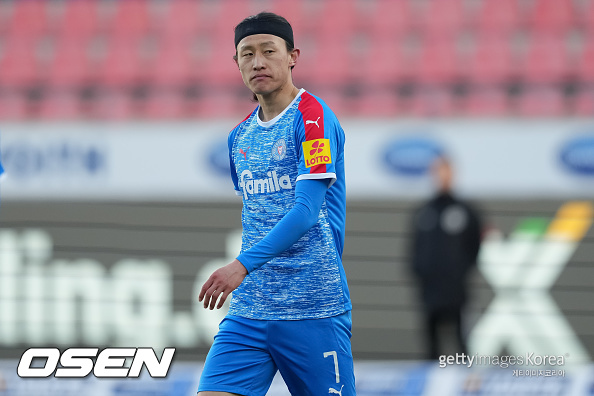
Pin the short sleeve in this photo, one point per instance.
(317, 138)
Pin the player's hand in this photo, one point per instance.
(221, 283)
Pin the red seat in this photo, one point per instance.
(217, 104)
(173, 65)
(181, 19)
(294, 11)
(432, 103)
(443, 16)
(500, 16)
(585, 63)
(131, 20)
(583, 103)
(330, 63)
(439, 61)
(227, 15)
(80, 20)
(552, 15)
(337, 18)
(164, 105)
(19, 65)
(377, 103)
(488, 102)
(219, 69)
(122, 65)
(113, 105)
(541, 102)
(586, 17)
(386, 63)
(13, 107)
(60, 106)
(70, 65)
(29, 19)
(546, 60)
(390, 18)
(491, 61)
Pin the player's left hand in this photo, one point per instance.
(221, 283)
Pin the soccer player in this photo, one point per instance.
(290, 307)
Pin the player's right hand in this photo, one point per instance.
(221, 283)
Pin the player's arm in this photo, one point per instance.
(309, 197)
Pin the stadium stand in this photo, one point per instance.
(369, 50)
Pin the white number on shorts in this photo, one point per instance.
(333, 354)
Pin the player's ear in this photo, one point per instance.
(235, 60)
(294, 55)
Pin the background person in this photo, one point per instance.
(446, 237)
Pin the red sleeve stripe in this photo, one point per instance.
(313, 120)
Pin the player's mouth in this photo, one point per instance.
(259, 77)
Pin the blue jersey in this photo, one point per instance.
(305, 141)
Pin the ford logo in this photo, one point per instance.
(218, 158)
(411, 156)
(578, 156)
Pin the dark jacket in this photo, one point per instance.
(446, 242)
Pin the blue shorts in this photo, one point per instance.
(313, 356)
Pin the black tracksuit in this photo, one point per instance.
(446, 242)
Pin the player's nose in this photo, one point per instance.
(258, 62)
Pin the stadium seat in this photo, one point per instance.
(546, 60)
(295, 12)
(227, 15)
(434, 102)
(585, 63)
(485, 102)
(80, 20)
(13, 107)
(70, 65)
(491, 61)
(500, 16)
(60, 106)
(218, 103)
(586, 17)
(337, 18)
(443, 16)
(29, 19)
(131, 20)
(122, 66)
(219, 69)
(583, 103)
(164, 105)
(329, 63)
(552, 16)
(541, 102)
(181, 19)
(19, 65)
(386, 63)
(173, 65)
(377, 103)
(113, 105)
(438, 62)
(390, 18)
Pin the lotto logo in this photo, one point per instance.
(316, 152)
(79, 362)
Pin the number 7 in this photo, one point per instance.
(335, 356)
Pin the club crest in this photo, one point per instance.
(279, 150)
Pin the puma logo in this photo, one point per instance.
(312, 122)
(244, 152)
(332, 390)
